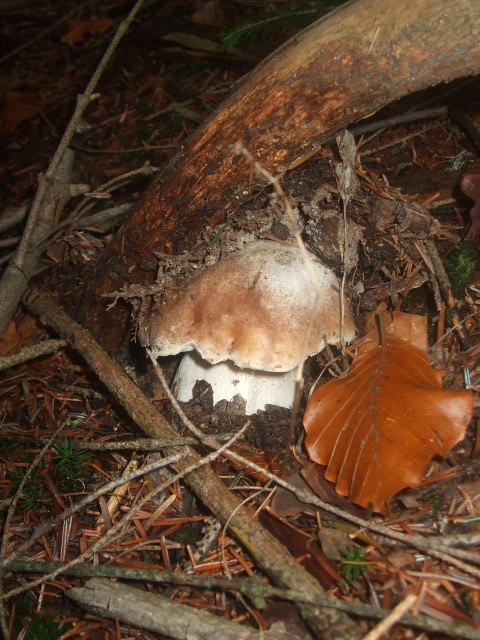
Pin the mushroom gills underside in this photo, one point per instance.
(257, 388)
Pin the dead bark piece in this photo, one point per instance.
(345, 66)
(161, 615)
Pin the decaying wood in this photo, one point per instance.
(252, 588)
(157, 613)
(342, 68)
(268, 553)
(29, 353)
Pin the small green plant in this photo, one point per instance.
(354, 563)
(460, 266)
(142, 130)
(33, 492)
(75, 422)
(144, 106)
(296, 15)
(44, 627)
(455, 163)
(34, 626)
(69, 462)
(215, 238)
(435, 503)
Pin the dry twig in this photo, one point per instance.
(52, 187)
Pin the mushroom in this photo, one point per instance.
(255, 316)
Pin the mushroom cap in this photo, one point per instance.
(255, 308)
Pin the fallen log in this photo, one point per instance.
(345, 66)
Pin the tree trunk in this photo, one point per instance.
(344, 67)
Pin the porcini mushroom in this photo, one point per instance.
(259, 314)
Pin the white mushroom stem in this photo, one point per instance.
(257, 388)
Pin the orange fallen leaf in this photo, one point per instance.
(18, 334)
(394, 325)
(17, 107)
(377, 427)
(79, 29)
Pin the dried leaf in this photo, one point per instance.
(17, 107)
(333, 542)
(377, 427)
(79, 29)
(395, 324)
(285, 503)
(19, 334)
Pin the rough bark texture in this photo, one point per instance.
(345, 66)
(156, 613)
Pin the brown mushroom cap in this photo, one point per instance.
(254, 308)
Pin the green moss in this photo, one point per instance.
(460, 265)
(436, 503)
(34, 493)
(43, 627)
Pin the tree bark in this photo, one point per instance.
(344, 67)
(159, 614)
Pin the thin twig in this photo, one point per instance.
(139, 444)
(134, 401)
(204, 438)
(29, 353)
(118, 527)
(11, 511)
(18, 272)
(81, 504)
(393, 617)
(257, 591)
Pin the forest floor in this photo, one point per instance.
(162, 82)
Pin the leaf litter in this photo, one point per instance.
(35, 398)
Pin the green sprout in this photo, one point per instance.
(33, 492)
(455, 163)
(69, 462)
(215, 238)
(354, 563)
(435, 502)
(74, 422)
(252, 28)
